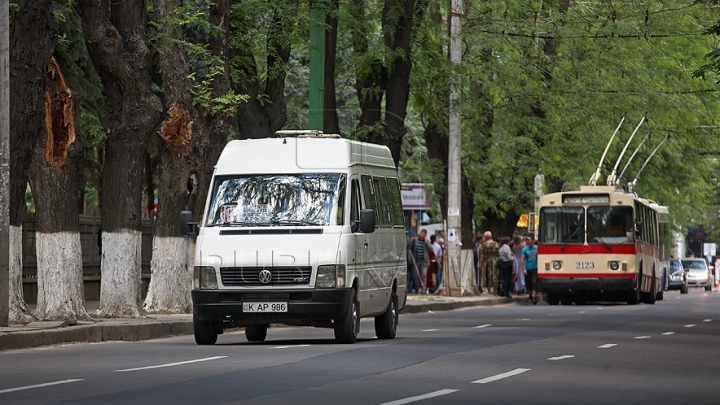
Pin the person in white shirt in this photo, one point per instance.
(505, 266)
(439, 254)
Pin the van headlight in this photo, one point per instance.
(204, 278)
(330, 276)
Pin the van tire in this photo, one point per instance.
(205, 332)
(386, 324)
(347, 327)
(256, 333)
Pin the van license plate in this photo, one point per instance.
(265, 306)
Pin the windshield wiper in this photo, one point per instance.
(242, 223)
(295, 223)
(580, 226)
(600, 238)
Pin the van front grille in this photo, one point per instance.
(251, 276)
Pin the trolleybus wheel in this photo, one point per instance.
(553, 298)
(650, 297)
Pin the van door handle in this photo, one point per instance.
(366, 245)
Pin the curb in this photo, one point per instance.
(447, 306)
(94, 334)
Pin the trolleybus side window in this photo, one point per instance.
(610, 225)
(562, 225)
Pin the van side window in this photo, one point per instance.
(380, 201)
(369, 196)
(395, 201)
(355, 202)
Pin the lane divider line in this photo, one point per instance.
(180, 363)
(482, 326)
(642, 337)
(501, 376)
(288, 347)
(563, 357)
(431, 330)
(607, 346)
(691, 325)
(707, 320)
(29, 387)
(668, 333)
(420, 397)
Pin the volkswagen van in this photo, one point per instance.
(301, 229)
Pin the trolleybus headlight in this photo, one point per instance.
(204, 278)
(614, 265)
(557, 265)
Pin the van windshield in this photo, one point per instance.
(307, 199)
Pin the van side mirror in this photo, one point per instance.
(187, 226)
(638, 228)
(367, 221)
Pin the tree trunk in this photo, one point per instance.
(54, 182)
(31, 46)
(191, 148)
(117, 42)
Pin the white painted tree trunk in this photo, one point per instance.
(171, 282)
(19, 310)
(121, 283)
(61, 295)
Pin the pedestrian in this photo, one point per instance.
(518, 276)
(410, 265)
(530, 269)
(420, 250)
(430, 280)
(488, 260)
(476, 260)
(438, 265)
(505, 265)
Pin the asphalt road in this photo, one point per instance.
(667, 353)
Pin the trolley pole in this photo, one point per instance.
(454, 166)
(4, 162)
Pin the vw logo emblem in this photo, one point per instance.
(265, 276)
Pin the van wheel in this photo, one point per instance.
(256, 333)
(347, 327)
(386, 324)
(204, 332)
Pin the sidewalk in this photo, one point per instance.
(37, 334)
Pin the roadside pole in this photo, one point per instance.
(454, 167)
(4, 162)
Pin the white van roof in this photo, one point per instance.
(295, 155)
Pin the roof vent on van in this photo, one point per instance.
(306, 133)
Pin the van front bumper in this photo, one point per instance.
(303, 306)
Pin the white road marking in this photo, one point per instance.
(599, 308)
(668, 333)
(677, 298)
(180, 363)
(287, 347)
(430, 330)
(482, 326)
(28, 387)
(581, 312)
(642, 337)
(501, 376)
(690, 325)
(607, 346)
(563, 357)
(524, 319)
(419, 397)
(707, 320)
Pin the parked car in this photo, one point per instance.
(677, 277)
(698, 273)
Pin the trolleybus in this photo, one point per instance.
(598, 243)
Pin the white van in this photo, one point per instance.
(300, 230)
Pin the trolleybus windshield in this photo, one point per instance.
(562, 225)
(610, 225)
